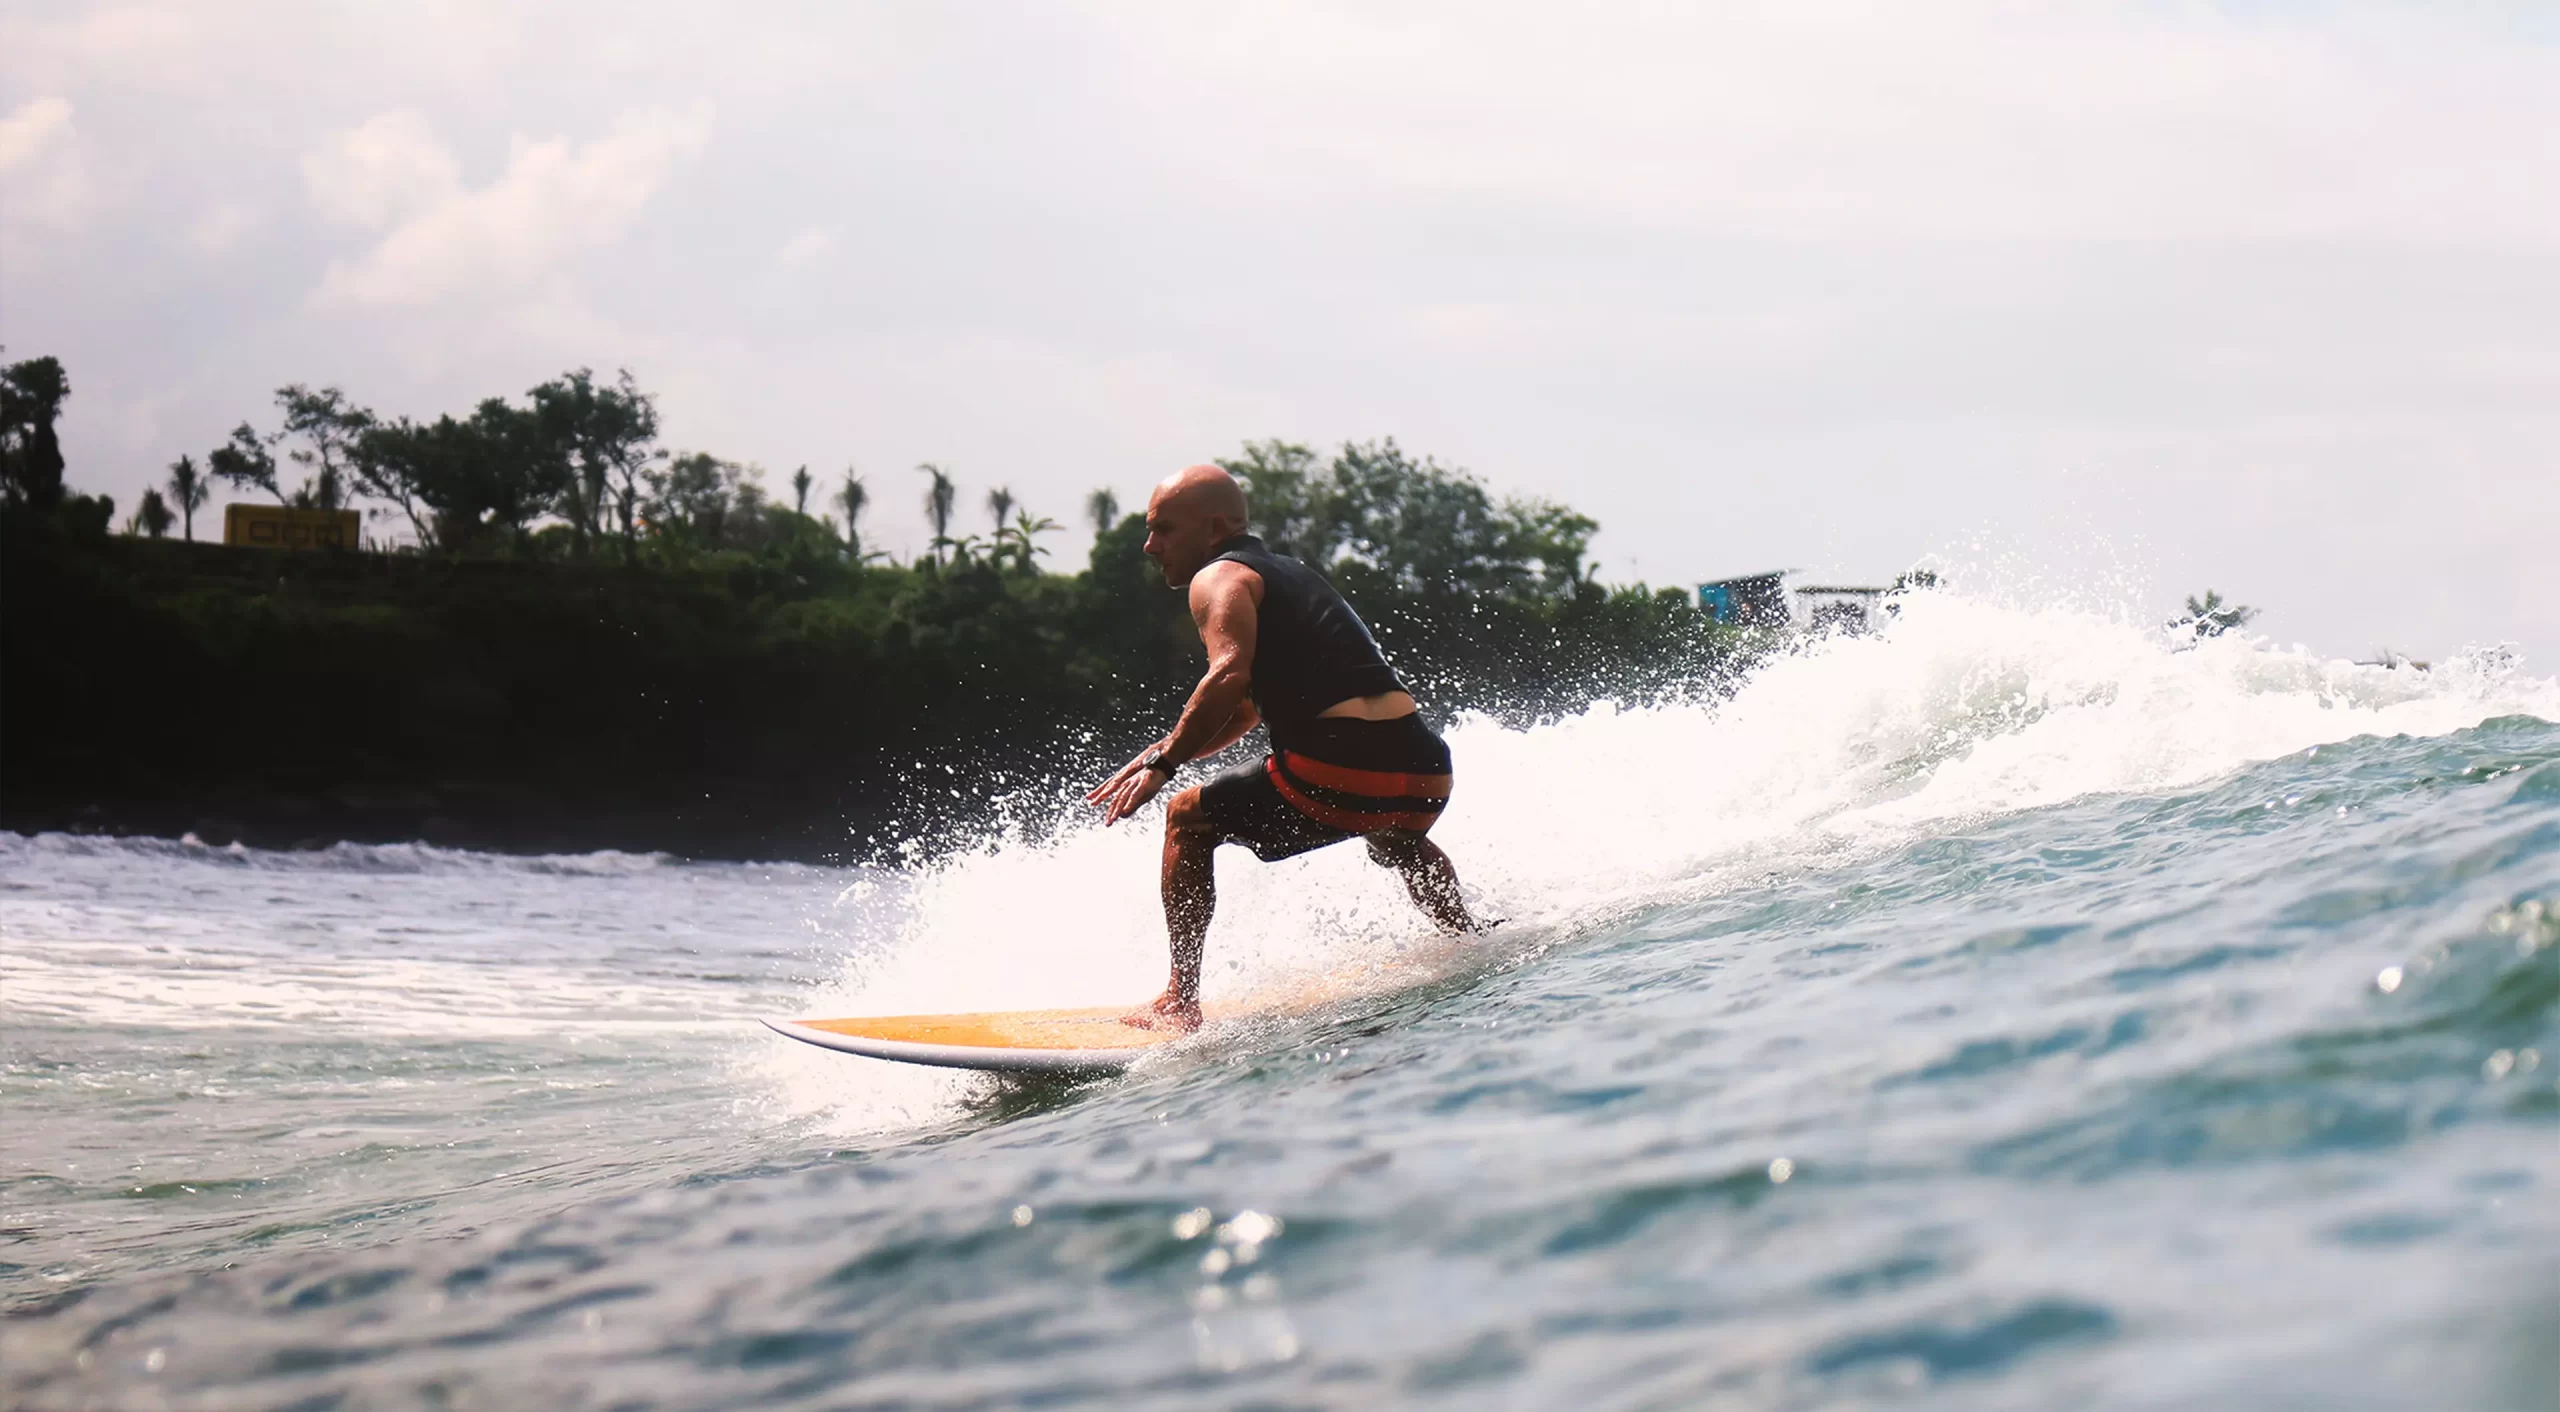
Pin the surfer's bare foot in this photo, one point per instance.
(1168, 1012)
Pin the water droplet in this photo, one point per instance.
(2497, 1066)
(1216, 1262)
(155, 1360)
(2387, 979)
(1780, 1170)
(1191, 1223)
(1022, 1215)
(1250, 1228)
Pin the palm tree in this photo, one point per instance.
(853, 498)
(1019, 540)
(1000, 506)
(800, 483)
(152, 516)
(2209, 616)
(938, 499)
(1102, 511)
(188, 490)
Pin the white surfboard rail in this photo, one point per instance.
(965, 1056)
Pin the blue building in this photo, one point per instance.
(1752, 601)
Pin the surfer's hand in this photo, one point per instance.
(1129, 792)
(1104, 794)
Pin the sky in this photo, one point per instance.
(2123, 300)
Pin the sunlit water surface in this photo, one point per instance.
(2008, 1011)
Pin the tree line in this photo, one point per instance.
(589, 641)
(572, 470)
(575, 468)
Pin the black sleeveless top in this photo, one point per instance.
(1310, 650)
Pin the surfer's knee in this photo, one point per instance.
(1185, 816)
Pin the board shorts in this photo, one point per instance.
(1337, 779)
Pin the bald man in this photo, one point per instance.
(1350, 754)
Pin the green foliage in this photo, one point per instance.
(248, 461)
(1377, 518)
(939, 497)
(152, 516)
(188, 490)
(327, 426)
(688, 502)
(82, 517)
(469, 485)
(854, 497)
(607, 435)
(700, 505)
(2209, 616)
(31, 465)
(1019, 542)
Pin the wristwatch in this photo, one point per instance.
(1154, 760)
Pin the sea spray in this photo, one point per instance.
(1956, 708)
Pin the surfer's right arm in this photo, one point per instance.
(1225, 602)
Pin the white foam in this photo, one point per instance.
(1960, 707)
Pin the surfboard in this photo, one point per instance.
(1005, 1041)
(1095, 1041)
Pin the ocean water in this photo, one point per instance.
(2008, 1010)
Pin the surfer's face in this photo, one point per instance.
(1180, 536)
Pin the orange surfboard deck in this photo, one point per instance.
(1016, 1041)
(1089, 1041)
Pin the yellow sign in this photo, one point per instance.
(282, 527)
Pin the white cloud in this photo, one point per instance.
(48, 177)
(39, 124)
(222, 227)
(391, 169)
(1845, 121)
(808, 245)
(441, 238)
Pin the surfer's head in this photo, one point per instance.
(1192, 512)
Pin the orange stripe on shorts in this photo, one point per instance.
(1378, 784)
(1344, 819)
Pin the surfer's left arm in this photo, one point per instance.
(1223, 604)
(1244, 719)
